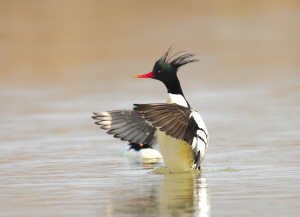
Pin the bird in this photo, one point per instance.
(140, 151)
(178, 128)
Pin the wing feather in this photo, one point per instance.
(128, 125)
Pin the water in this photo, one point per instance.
(60, 63)
(55, 161)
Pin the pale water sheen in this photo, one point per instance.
(56, 162)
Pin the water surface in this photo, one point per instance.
(55, 161)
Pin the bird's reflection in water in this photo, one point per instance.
(184, 193)
(164, 195)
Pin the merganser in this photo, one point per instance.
(140, 150)
(177, 128)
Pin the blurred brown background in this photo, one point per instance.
(61, 60)
(237, 41)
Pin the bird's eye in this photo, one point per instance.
(158, 72)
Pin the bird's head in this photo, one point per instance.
(165, 69)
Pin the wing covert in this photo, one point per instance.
(177, 121)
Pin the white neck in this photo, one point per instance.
(177, 99)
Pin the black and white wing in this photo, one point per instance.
(128, 125)
(179, 122)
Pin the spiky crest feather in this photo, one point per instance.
(177, 61)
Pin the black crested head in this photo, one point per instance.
(176, 60)
(168, 65)
(165, 69)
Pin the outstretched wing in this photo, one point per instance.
(179, 122)
(128, 125)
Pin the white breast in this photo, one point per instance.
(177, 99)
(177, 154)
